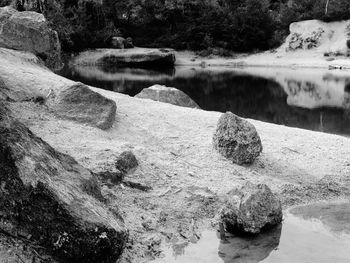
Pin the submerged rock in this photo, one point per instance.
(51, 199)
(237, 139)
(134, 57)
(167, 95)
(251, 209)
(29, 31)
(81, 104)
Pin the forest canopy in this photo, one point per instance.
(225, 25)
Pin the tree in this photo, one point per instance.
(326, 10)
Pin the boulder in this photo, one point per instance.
(237, 139)
(118, 42)
(251, 209)
(133, 57)
(167, 95)
(81, 104)
(126, 162)
(50, 199)
(29, 31)
(17, 250)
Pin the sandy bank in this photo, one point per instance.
(174, 149)
(302, 59)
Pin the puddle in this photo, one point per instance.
(315, 233)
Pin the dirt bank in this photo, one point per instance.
(174, 149)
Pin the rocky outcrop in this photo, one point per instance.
(251, 209)
(237, 139)
(167, 95)
(50, 199)
(135, 57)
(81, 104)
(29, 31)
(330, 39)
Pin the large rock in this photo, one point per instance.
(50, 199)
(237, 139)
(134, 57)
(329, 39)
(29, 31)
(251, 209)
(81, 104)
(167, 95)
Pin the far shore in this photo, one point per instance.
(272, 58)
(299, 59)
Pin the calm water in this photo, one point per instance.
(310, 99)
(317, 233)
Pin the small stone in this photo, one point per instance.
(126, 162)
(30, 31)
(237, 139)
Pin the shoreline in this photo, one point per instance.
(176, 158)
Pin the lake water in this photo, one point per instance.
(314, 233)
(312, 99)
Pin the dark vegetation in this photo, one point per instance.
(212, 26)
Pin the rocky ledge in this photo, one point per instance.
(140, 57)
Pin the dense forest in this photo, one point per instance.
(210, 26)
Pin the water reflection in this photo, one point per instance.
(253, 249)
(335, 217)
(210, 249)
(307, 98)
(315, 233)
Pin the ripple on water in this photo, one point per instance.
(313, 233)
